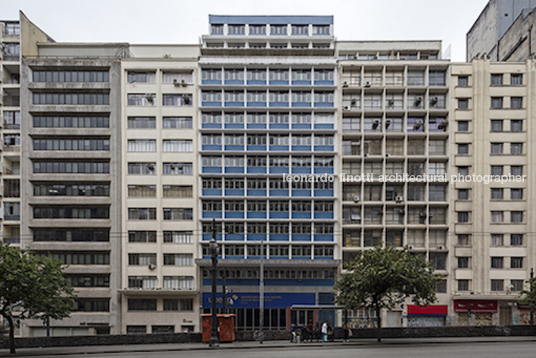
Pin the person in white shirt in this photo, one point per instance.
(324, 331)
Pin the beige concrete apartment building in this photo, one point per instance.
(160, 292)
(395, 112)
(492, 223)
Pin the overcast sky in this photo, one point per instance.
(181, 21)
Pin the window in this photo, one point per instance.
(178, 237)
(142, 145)
(496, 102)
(516, 194)
(75, 258)
(91, 305)
(257, 29)
(463, 262)
(320, 29)
(70, 76)
(142, 236)
(516, 125)
(66, 143)
(516, 262)
(300, 29)
(142, 191)
(141, 304)
(496, 79)
(179, 168)
(463, 103)
(178, 77)
(497, 216)
(516, 148)
(88, 280)
(463, 126)
(463, 285)
(496, 170)
(86, 167)
(516, 79)
(463, 240)
(177, 122)
(516, 170)
(415, 78)
(216, 29)
(142, 168)
(141, 213)
(12, 29)
(463, 171)
(436, 78)
(497, 193)
(177, 145)
(11, 51)
(497, 240)
(463, 194)
(463, 216)
(516, 217)
(463, 148)
(497, 285)
(178, 214)
(496, 125)
(178, 259)
(236, 29)
(12, 119)
(463, 81)
(176, 304)
(141, 122)
(177, 191)
(59, 121)
(517, 285)
(497, 262)
(496, 148)
(140, 99)
(516, 240)
(74, 235)
(177, 100)
(278, 29)
(72, 98)
(516, 102)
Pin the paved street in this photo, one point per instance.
(510, 347)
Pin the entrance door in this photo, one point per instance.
(393, 319)
(505, 315)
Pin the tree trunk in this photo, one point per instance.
(379, 317)
(11, 333)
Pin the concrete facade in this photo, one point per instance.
(495, 29)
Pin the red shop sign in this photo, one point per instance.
(477, 306)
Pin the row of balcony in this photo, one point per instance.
(267, 104)
(271, 82)
(272, 237)
(300, 126)
(261, 170)
(271, 148)
(326, 215)
(271, 192)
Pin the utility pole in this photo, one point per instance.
(261, 293)
(224, 291)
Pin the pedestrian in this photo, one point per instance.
(325, 326)
(345, 331)
(316, 331)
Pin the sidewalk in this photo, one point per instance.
(142, 348)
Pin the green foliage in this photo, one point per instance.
(529, 296)
(384, 278)
(35, 285)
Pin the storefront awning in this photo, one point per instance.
(432, 310)
(477, 306)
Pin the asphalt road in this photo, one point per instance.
(437, 350)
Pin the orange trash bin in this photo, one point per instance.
(226, 323)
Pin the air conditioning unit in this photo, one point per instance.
(399, 199)
(411, 247)
(417, 125)
(387, 155)
(422, 214)
(357, 199)
(375, 124)
(353, 102)
(443, 124)
(186, 99)
(433, 101)
(418, 101)
(176, 82)
(172, 166)
(367, 84)
(152, 266)
(149, 97)
(365, 155)
(354, 217)
(345, 108)
(150, 166)
(441, 247)
(401, 211)
(183, 83)
(345, 84)
(391, 102)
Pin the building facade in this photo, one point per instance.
(395, 113)
(268, 94)
(492, 247)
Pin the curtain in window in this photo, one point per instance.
(140, 145)
(177, 146)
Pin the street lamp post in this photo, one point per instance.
(261, 293)
(214, 339)
(531, 302)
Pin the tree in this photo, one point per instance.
(384, 278)
(34, 285)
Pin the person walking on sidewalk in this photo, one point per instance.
(325, 331)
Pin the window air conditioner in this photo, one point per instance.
(176, 82)
(399, 199)
(183, 83)
(441, 247)
(411, 247)
(357, 199)
(152, 266)
(367, 84)
(418, 101)
(434, 101)
(443, 124)
(345, 84)
(150, 166)
(149, 97)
